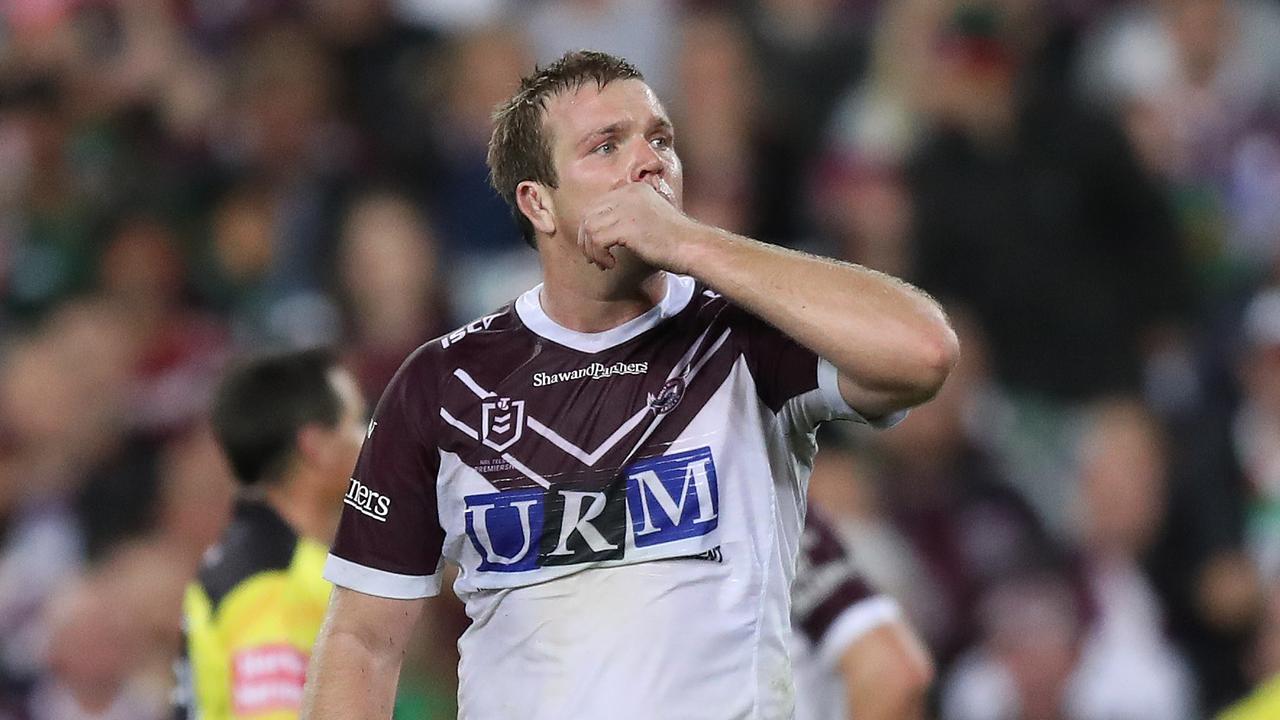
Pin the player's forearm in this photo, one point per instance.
(347, 679)
(881, 331)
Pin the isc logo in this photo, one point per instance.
(664, 499)
(474, 326)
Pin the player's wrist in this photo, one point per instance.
(698, 248)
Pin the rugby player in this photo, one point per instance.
(625, 537)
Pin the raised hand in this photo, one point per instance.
(639, 217)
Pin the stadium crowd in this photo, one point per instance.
(1084, 525)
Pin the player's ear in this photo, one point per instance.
(535, 202)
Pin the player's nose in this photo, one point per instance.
(646, 162)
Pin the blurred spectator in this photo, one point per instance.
(143, 272)
(1219, 545)
(477, 71)
(1197, 83)
(196, 487)
(1128, 668)
(389, 273)
(65, 395)
(1206, 578)
(1212, 554)
(452, 15)
(862, 203)
(285, 135)
(716, 107)
(63, 392)
(1039, 218)
(808, 51)
(113, 636)
(45, 219)
(1022, 670)
(642, 31)
(246, 273)
(384, 79)
(113, 630)
(479, 236)
(1256, 429)
(1264, 665)
(1102, 655)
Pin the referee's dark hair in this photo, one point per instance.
(262, 403)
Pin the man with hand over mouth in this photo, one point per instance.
(625, 541)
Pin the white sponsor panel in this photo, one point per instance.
(267, 678)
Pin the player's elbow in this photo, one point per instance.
(928, 361)
(940, 354)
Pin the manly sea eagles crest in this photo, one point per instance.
(503, 422)
(668, 397)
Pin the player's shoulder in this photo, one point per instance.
(706, 305)
(701, 297)
(473, 338)
(485, 330)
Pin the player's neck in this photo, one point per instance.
(589, 300)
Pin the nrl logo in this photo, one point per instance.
(502, 422)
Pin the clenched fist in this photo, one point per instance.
(638, 217)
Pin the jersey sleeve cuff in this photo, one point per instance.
(381, 583)
(856, 620)
(829, 386)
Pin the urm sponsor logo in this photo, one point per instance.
(664, 500)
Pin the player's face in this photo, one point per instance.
(603, 138)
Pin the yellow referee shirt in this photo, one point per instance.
(1262, 704)
(250, 620)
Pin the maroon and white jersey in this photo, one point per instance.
(832, 607)
(624, 507)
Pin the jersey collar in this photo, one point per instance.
(529, 307)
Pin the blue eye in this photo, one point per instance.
(604, 148)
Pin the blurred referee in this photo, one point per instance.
(291, 426)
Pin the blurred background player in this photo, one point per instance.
(854, 655)
(291, 426)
